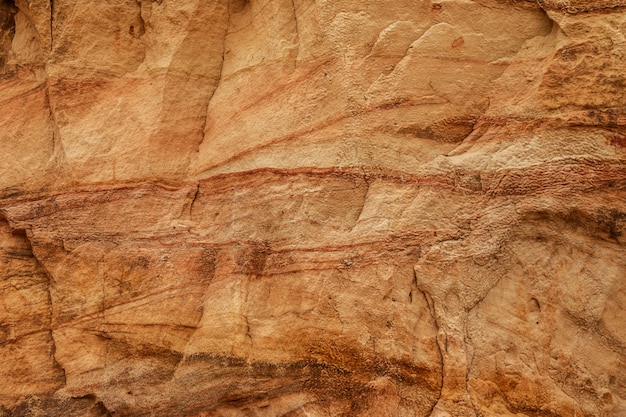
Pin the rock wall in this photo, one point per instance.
(313, 208)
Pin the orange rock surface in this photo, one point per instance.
(313, 208)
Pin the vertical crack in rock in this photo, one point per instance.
(186, 207)
(53, 354)
(295, 18)
(248, 334)
(254, 270)
(366, 180)
(470, 364)
(50, 323)
(50, 281)
(51, 24)
(103, 305)
(454, 398)
(431, 310)
(193, 201)
(184, 355)
(58, 150)
(141, 30)
(211, 254)
(217, 82)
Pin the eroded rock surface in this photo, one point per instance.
(313, 208)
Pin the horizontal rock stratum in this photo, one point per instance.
(313, 208)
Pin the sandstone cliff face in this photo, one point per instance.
(313, 208)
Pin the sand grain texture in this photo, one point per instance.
(313, 208)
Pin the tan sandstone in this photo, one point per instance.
(313, 208)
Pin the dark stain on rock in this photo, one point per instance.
(8, 10)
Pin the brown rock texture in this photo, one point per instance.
(313, 208)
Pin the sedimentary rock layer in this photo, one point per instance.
(312, 208)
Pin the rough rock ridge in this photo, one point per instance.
(313, 208)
